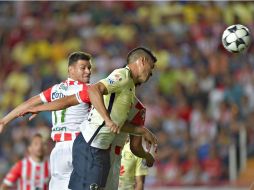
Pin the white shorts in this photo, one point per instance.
(61, 165)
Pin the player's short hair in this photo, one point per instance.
(75, 56)
(37, 135)
(138, 52)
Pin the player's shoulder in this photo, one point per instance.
(18, 164)
(119, 75)
(122, 72)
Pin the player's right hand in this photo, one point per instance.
(150, 137)
(113, 127)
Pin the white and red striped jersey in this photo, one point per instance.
(29, 175)
(66, 122)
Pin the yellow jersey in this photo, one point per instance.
(121, 83)
(131, 166)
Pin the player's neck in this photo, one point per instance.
(133, 73)
(36, 158)
(72, 78)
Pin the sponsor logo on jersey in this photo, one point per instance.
(57, 95)
(117, 77)
(128, 156)
(110, 81)
(59, 129)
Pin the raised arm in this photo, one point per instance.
(19, 109)
(59, 104)
(96, 93)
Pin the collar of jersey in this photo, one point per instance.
(128, 68)
(70, 81)
(33, 161)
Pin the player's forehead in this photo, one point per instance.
(36, 140)
(84, 63)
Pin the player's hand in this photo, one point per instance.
(149, 160)
(150, 137)
(32, 111)
(113, 127)
(2, 125)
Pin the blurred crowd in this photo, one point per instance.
(198, 99)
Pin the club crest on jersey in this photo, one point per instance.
(63, 86)
(117, 77)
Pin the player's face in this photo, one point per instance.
(37, 148)
(147, 67)
(81, 71)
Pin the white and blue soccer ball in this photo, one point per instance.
(236, 38)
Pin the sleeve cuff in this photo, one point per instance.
(43, 99)
(7, 182)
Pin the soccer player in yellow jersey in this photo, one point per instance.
(133, 171)
(112, 99)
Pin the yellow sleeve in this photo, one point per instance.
(141, 168)
(116, 81)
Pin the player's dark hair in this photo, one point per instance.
(75, 56)
(134, 54)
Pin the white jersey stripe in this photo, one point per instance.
(33, 168)
(24, 173)
(42, 174)
(18, 184)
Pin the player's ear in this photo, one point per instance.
(29, 149)
(70, 69)
(143, 59)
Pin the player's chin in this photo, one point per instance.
(86, 79)
(147, 78)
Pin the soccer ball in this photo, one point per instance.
(236, 38)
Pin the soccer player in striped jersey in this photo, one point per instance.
(65, 123)
(32, 172)
(94, 143)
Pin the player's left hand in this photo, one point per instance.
(33, 111)
(113, 127)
